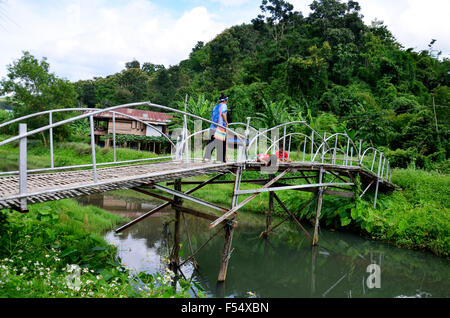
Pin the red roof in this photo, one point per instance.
(144, 115)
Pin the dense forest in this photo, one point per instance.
(328, 68)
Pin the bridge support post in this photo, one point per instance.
(314, 252)
(229, 230)
(94, 161)
(23, 167)
(319, 208)
(175, 255)
(226, 254)
(378, 181)
(50, 122)
(269, 212)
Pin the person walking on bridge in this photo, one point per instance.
(218, 135)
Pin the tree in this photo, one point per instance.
(274, 113)
(133, 64)
(136, 82)
(151, 68)
(86, 93)
(279, 17)
(33, 88)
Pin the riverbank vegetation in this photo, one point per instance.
(414, 216)
(327, 68)
(58, 250)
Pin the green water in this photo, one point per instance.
(285, 265)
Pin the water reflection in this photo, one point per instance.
(283, 266)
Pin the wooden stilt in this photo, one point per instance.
(186, 228)
(289, 216)
(200, 248)
(319, 208)
(162, 206)
(314, 251)
(229, 231)
(294, 219)
(376, 193)
(240, 205)
(175, 257)
(269, 212)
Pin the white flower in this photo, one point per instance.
(18, 288)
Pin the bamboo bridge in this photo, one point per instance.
(320, 164)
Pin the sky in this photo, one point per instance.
(82, 39)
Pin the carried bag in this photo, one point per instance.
(221, 133)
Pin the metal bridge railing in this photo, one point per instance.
(335, 149)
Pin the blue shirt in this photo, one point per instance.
(216, 116)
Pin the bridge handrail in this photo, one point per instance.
(380, 165)
(189, 137)
(288, 135)
(313, 132)
(69, 120)
(349, 141)
(85, 110)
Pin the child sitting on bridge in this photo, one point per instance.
(282, 155)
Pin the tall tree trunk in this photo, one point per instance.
(43, 139)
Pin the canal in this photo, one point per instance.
(285, 265)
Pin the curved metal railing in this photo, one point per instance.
(335, 149)
(88, 111)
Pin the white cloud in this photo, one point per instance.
(414, 23)
(83, 39)
(86, 38)
(232, 3)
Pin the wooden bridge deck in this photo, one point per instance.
(59, 185)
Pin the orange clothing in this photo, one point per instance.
(279, 155)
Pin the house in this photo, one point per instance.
(124, 125)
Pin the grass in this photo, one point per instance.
(58, 250)
(416, 217)
(65, 154)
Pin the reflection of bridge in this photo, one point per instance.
(322, 165)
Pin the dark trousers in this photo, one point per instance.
(213, 143)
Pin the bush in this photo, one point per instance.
(399, 158)
(40, 250)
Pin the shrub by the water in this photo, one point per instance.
(57, 250)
